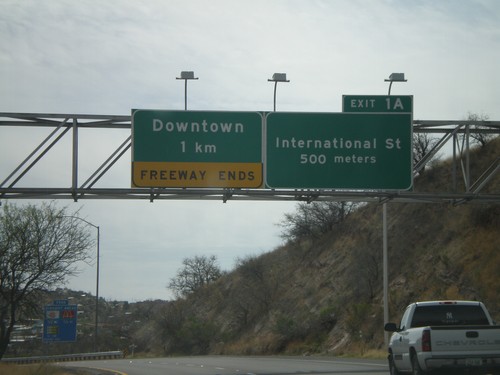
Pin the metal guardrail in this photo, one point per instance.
(66, 357)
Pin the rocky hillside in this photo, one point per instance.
(324, 295)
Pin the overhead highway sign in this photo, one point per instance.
(377, 103)
(196, 149)
(85, 181)
(339, 151)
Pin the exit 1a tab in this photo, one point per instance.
(377, 103)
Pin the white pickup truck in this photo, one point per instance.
(459, 336)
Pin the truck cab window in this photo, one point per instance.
(448, 315)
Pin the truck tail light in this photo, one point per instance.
(426, 341)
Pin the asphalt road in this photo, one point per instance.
(221, 365)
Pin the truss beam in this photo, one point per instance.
(64, 123)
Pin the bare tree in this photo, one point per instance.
(196, 273)
(260, 281)
(315, 219)
(366, 275)
(39, 247)
(477, 130)
(423, 144)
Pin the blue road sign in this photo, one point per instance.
(60, 323)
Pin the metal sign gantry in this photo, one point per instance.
(467, 184)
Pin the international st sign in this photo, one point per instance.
(357, 151)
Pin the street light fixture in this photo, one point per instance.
(394, 77)
(97, 279)
(186, 75)
(277, 77)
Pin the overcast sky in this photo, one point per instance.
(107, 57)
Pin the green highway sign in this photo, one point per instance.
(368, 146)
(377, 103)
(196, 149)
(339, 151)
(196, 136)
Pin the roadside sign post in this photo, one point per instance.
(60, 322)
(381, 104)
(196, 149)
